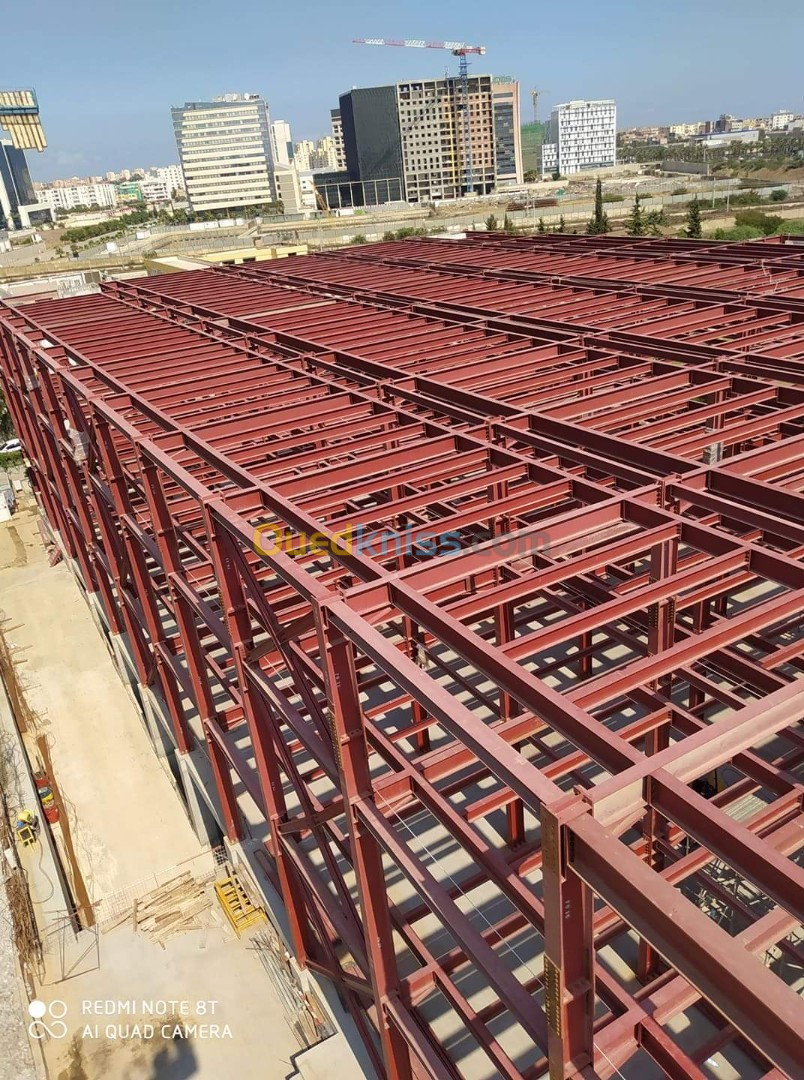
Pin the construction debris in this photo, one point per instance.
(173, 908)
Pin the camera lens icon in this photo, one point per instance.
(55, 1028)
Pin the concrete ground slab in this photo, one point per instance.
(123, 810)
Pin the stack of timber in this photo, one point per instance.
(173, 908)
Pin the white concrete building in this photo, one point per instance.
(307, 188)
(155, 190)
(337, 138)
(281, 142)
(584, 134)
(304, 155)
(288, 189)
(225, 152)
(780, 120)
(67, 196)
(170, 175)
(326, 156)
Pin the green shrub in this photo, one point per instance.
(756, 219)
(737, 232)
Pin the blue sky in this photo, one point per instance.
(107, 72)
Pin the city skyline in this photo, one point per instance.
(115, 108)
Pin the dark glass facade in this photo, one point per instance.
(16, 182)
(504, 134)
(371, 139)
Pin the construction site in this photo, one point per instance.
(459, 587)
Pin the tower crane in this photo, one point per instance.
(461, 50)
(535, 96)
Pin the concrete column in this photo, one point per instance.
(203, 817)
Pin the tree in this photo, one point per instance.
(693, 229)
(541, 227)
(599, 222)
(531, 176)
(508, 225)
(653, 220)
(6, 425)
(636, 222)
(491, 223)
(562, 225)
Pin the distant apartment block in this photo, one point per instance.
(154, 189)
(225, 152)
(326, 156)
(337, 138)
(303, 154)
(409, 141)
(65, 195)
(781, 119)
(582, 135)
(281, 142)
(686, 131)
(170, 175)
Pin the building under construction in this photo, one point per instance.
(473, 574)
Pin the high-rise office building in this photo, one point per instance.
(225, 152)
(281, 142)
(409, 141)
(507, 125)
(16, 186)
(581, 135)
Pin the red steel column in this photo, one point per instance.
(569, 953)
(352, 752)
(238, 624)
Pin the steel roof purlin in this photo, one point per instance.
(475, 569)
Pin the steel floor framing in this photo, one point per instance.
(477, 568)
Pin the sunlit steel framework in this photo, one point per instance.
(477, 568)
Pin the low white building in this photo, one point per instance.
(549, 159)
(781, 119)
(584, 134)
(65, 196)
(155, 189)
(170, 175)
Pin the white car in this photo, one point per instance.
(13, 446)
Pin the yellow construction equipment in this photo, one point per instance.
(25, 827)
(236, 905)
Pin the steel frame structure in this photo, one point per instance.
(517, 748)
